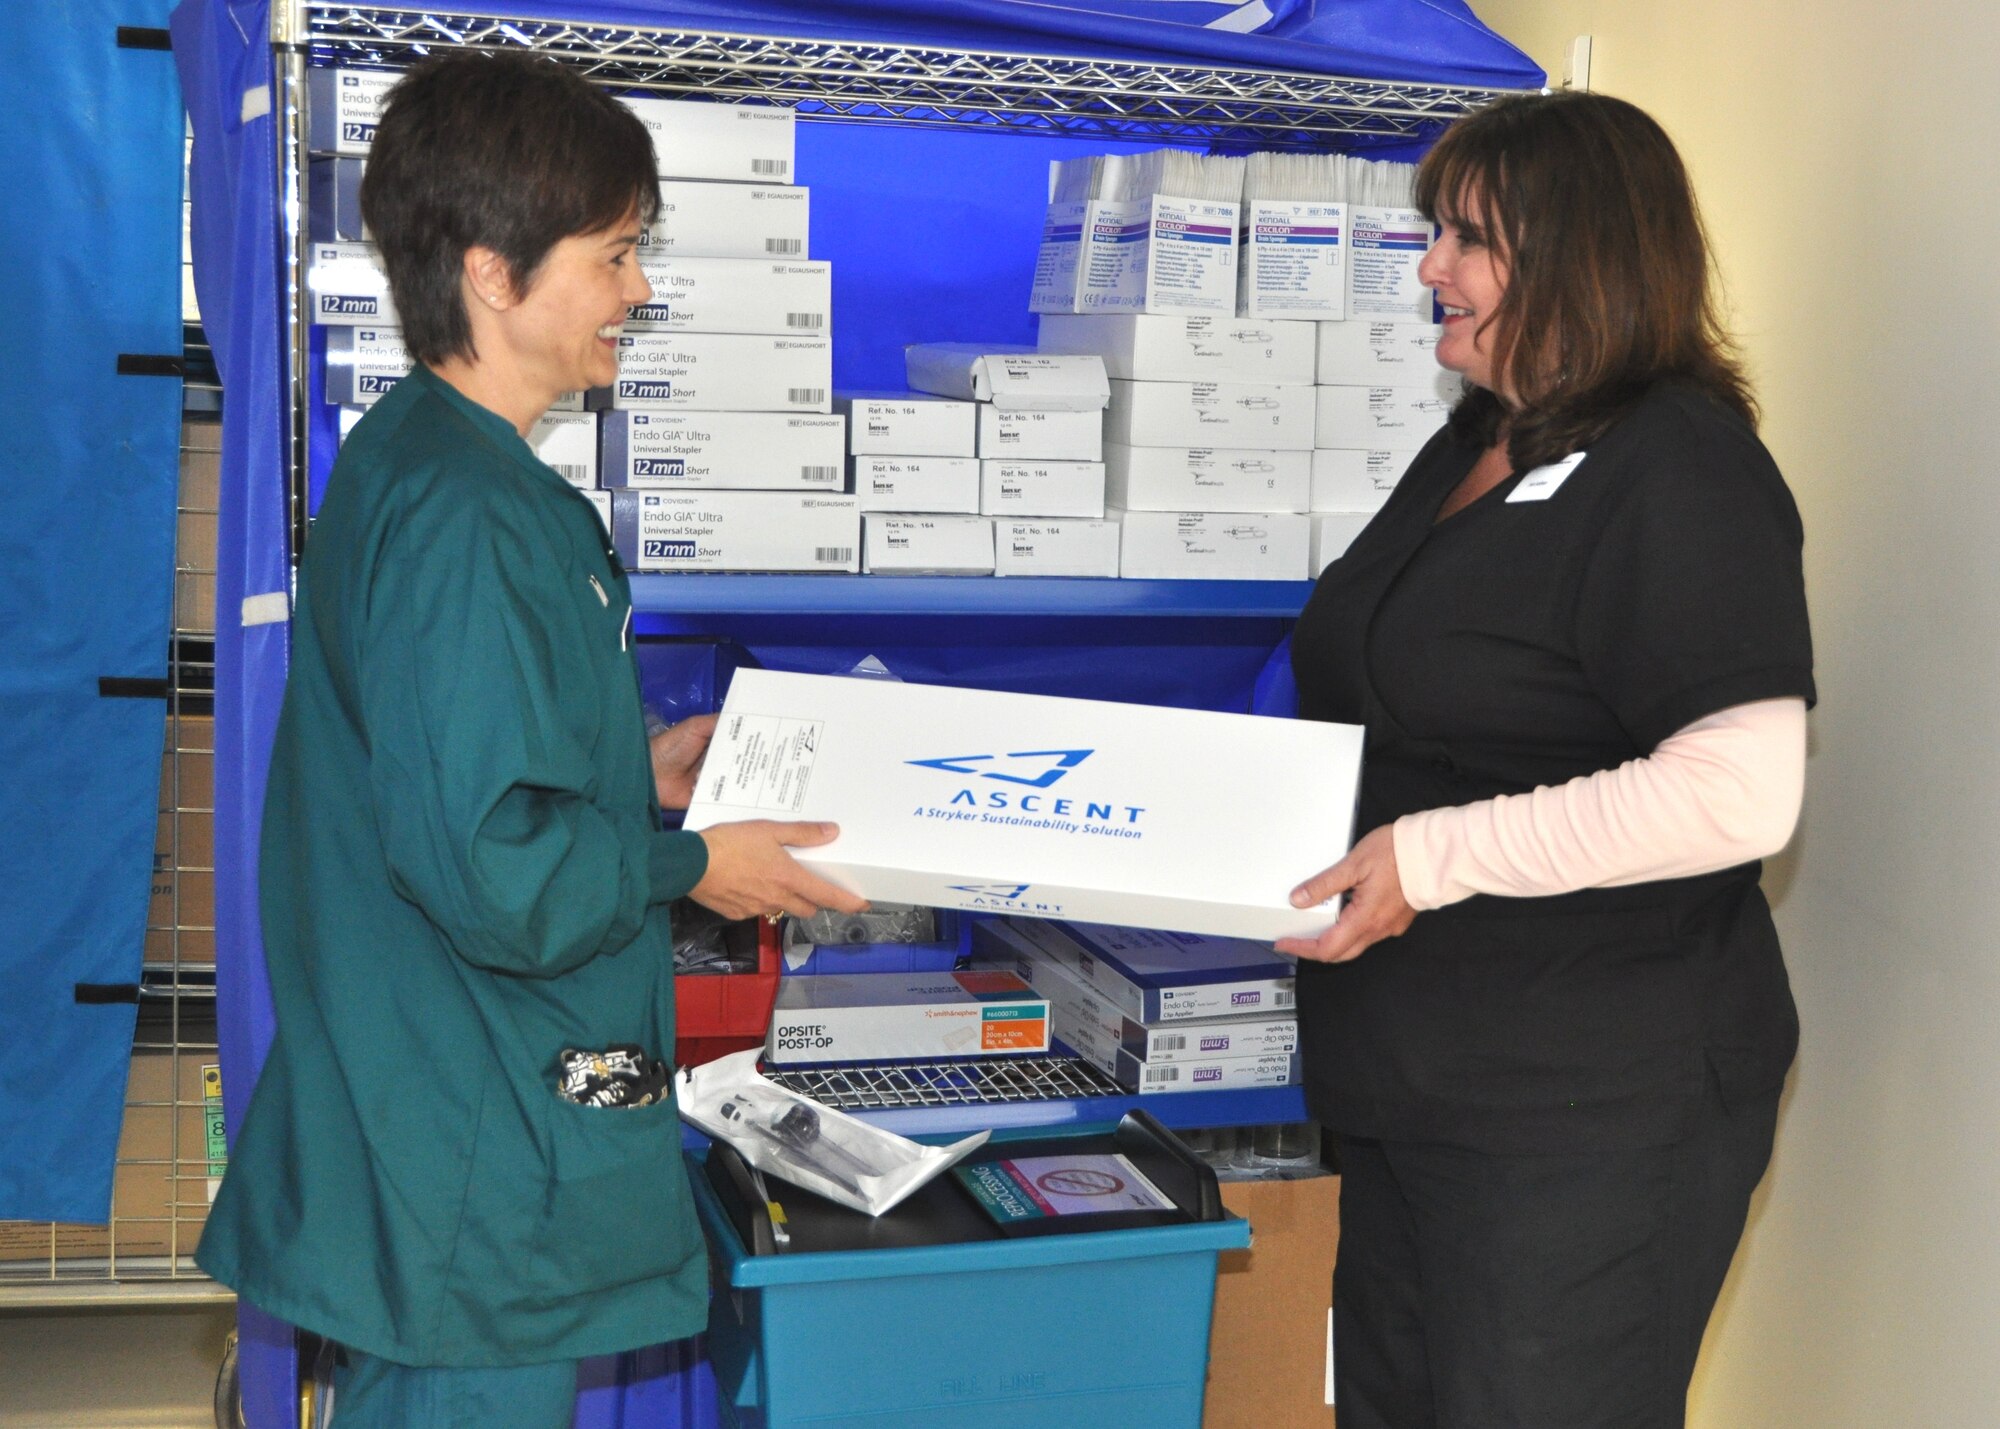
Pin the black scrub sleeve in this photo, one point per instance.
(1693, 598)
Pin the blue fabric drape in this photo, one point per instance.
(89, 151)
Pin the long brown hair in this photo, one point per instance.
(1609, 286)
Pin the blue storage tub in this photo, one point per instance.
(1101, 1328)
(954, 942)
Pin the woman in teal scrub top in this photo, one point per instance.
(463, 869)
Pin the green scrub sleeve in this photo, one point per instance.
(678, 861)
(480, 699)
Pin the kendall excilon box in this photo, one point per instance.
(1046, 807)
(868, 1017)
(754, 451)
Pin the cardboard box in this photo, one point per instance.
(1386, 247)
(918, 484)
(567, 441)
(721, 372)
(346, 286)
(1173, 348)
(333, 200)
(750, 295)
(1332, 533)
(1207, 1074)
(908, 424)
(362, 363)
(865, 1017)
(1376, 353)
(698, 139)
(1013, 488)
(1161, 977)
(721, 451)
(1251, 415)
(164, 1178)
(180, 915)
(893, 544)
(1103, 818)
(1267, 1345)
(1398, 419)
(1206, 479)
(1294, 259)
(721, 220)
(1012, 378)
(1355, 480)
(1051, 546)
(343, 106)
(1041, 436)
(735, 531)
(753, 451)
(1213, 545)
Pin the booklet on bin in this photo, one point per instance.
(1041, 806)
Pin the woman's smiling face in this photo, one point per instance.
(1469, 275)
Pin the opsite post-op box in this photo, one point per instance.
(861, 1017)
(1039, 806)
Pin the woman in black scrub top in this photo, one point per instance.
(1555, 1089)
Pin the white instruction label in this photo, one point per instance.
(762, 762)
(1386, 246)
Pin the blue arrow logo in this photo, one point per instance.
(1066, 760)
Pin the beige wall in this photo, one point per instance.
(1846, 156)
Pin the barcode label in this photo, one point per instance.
(1285, 999)
(1169, 1044)
(575, 473)
(833, 555)
(1162, 1074)
(784, 245)
(805, 396)
(776, 168)
(812, 321)
(819, 473)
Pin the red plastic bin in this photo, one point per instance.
(719, 1013)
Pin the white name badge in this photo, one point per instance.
(1541, 483)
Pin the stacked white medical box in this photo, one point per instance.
(915, 462)
(718, 440)
(1039, 434)
(1158, 1012)
(1208, 440)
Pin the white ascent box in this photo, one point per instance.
(1255, 416)
(1009, 377)
(1384, 418)
(1347, 480)
(1159, 347)
(1375, 353)
(723, 450)
(756, 295)
(347, 286)
(1055, 546)
(932, 484)
(1105, 819)
(344, 106)
(722, 372)
(699, 219)
(908, 424)
(735, 531)
(896, 543)
(695, 139)
(1041, 436)
(1332, 533)
(1041, 488)
(1206, 479)
(567, 442)
(1213, 545)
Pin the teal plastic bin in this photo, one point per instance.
(1098, 1329)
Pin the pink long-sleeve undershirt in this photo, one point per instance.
(1719, 792)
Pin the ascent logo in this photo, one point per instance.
(1066, 760)
(1003, 898)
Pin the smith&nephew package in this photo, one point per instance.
(1038, 806)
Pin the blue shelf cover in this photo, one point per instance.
(951, 595)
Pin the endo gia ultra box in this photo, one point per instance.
(1045, 807)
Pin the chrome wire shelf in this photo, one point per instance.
(972, 1082)
(915, 84)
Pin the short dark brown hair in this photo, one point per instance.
(1609, 288)
(507, 152)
